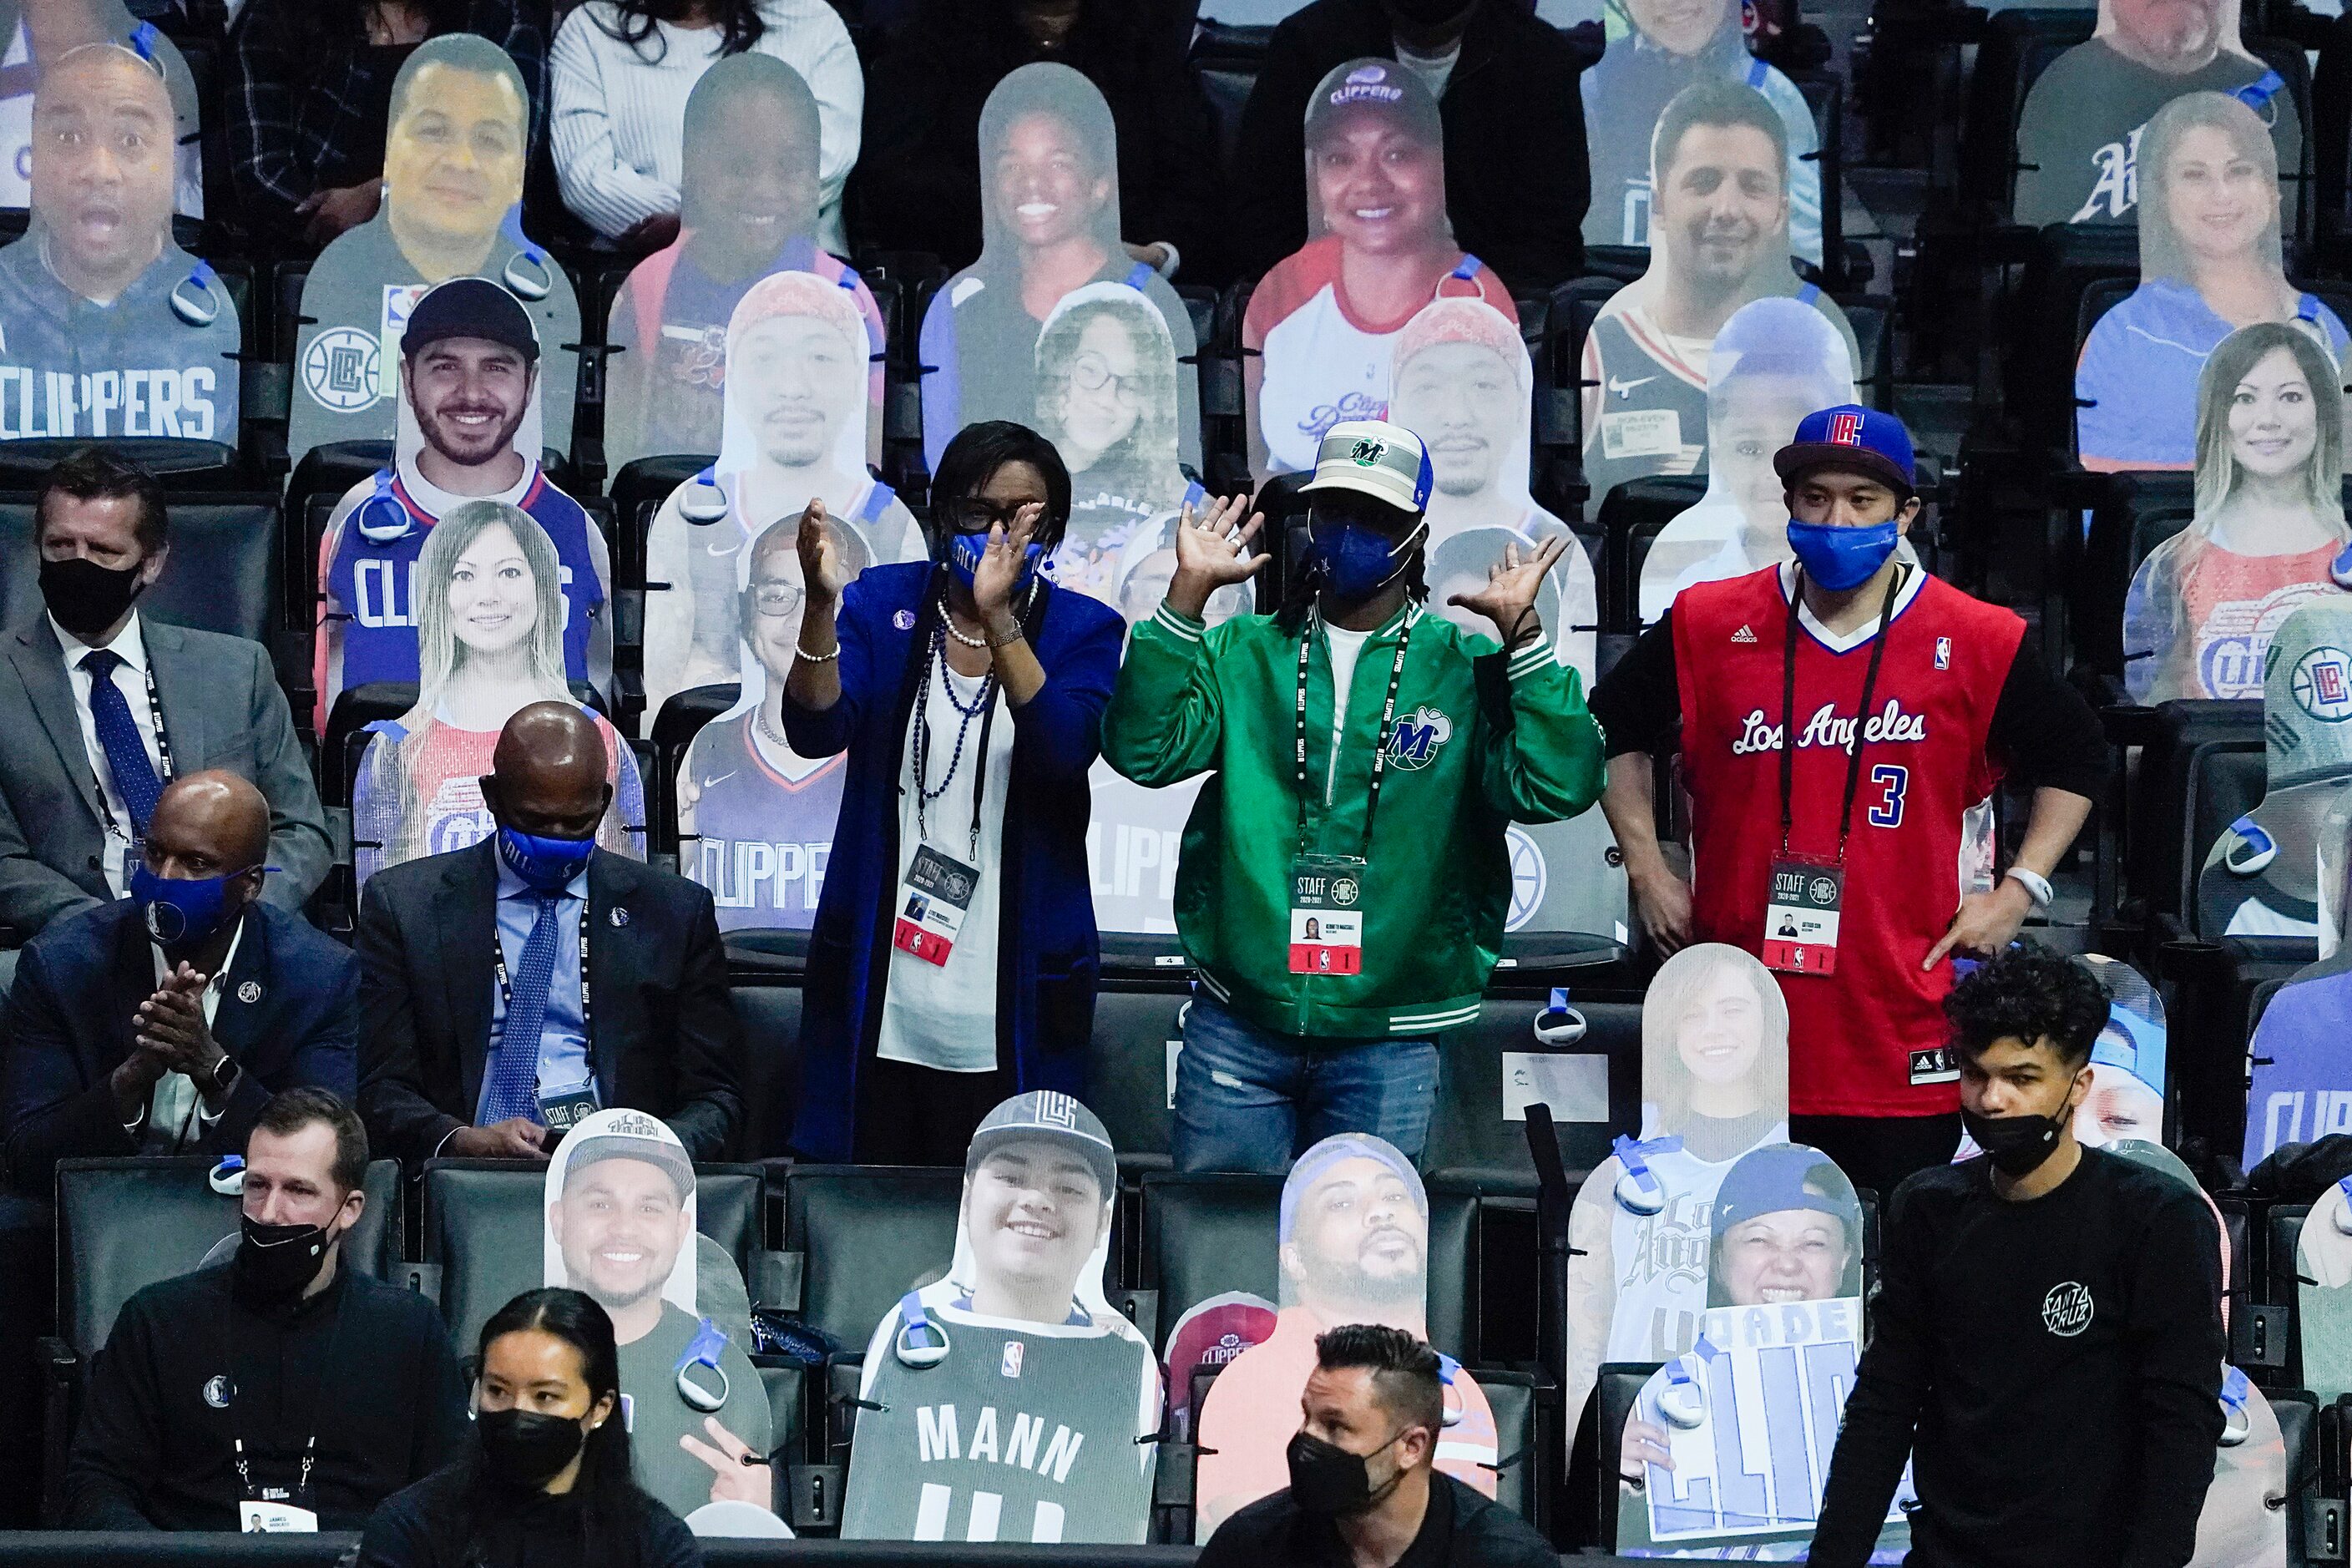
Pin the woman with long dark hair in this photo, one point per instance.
(309, 99)
(953, 960)
(547, 1481)
(623, 71)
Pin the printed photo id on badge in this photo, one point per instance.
(1327, 918)
(932, 902)
(1801, 917)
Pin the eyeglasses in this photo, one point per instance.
(977, 514)
(1092, 372)
(777, 599)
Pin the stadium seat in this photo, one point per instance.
(223, 576)
(1225, 60)
(484, 1223)
(1205, 1235)
(1613, 1397)
(770, 1008)
(2137, 512)
(865, 1235)
(1131, 1064)
(2282, 1230)
(2202, 768)
(1473, 1143)
(1631, 516)
(674, 727)
(177, 464)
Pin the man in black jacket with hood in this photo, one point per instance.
(1506, 84)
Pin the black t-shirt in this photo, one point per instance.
(1459, 1529)
(2076, 145)
(2054, 1368)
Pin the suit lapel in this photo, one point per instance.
(465, 910)
(134, 976)
(612, 956)
(41, 665)
(175, 690)
(237, 1019)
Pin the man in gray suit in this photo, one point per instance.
(104, 707)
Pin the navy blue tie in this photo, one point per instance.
(514, 1076)
(118, 736)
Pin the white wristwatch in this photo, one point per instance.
(2037, 886)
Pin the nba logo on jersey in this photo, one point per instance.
(1845, 429)
(1011, 1365)
(1943, 653)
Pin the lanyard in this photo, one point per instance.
(163, 751)
(317, 1397)
(983, 709)
(505, 991)
(1861, 717)
(1380, 743)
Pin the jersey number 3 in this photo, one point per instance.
(1891, 781)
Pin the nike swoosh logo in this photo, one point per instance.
(1624, 388)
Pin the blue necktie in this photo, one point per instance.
(514, 1075)
(118, 736)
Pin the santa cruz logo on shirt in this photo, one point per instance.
(2066, 1310)
(1826, 729)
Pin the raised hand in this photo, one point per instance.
(821, 568)
(738, 1473)
(1001, 567)
(1212, 551)
(1509, 599)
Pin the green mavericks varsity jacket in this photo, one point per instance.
(1479, 740)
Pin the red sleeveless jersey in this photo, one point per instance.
(1853, 1033)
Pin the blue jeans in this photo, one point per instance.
(1250, 1100)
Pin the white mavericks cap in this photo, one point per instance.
(1382, 461)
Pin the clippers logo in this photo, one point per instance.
(2323, 685)
(340, 369)
(1845, 429)
(1056, 1109)
(2066, 1310)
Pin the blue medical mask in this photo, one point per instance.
(1357, 559)
(544, 863)
(1842, 558)
(184, 911)
(965, 550)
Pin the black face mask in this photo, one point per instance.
(274, 1261)
(2015, 1144)
(86, 597)
(1327, 1481)
(525, 1448)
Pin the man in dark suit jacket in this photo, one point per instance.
(1516, 178)
(66, 820)
(454, 946)
(163, 1022)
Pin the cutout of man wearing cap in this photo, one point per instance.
(1418, 751)
(1719, 239)
(453, 175)
(1005, 1401)
(469, 378)
(1354, 1248)
(620, 1215)
(107, 327)
(1938, 696)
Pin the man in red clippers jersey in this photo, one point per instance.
(1839, 864)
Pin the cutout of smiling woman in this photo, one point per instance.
(107, 327)
(453, 172)
(1049, 214)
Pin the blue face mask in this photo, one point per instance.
(964, 552)
(184, 911)
(544, 863)
(1842, 558)
(1357, 561)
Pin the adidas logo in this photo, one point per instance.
(1743, 634)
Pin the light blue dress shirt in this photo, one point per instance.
(563, 1063)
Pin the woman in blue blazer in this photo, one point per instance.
(953, 960)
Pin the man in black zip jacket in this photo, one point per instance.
(341, 1389)
(2047, 1343)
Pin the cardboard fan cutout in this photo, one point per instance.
(1005, 1401)
(1727, 1451)
(1213, 1334)
(621, 1226)
(2323, 1266)
(374, 542)
(453, 175)
(2210, 214)
(2268, 535)
(39, 36)
(2301, 1088)
(2127, 1062)
(1049, 226)
(1715, 1085)
(1353, 1248)
(755, 818)
(2277, 870)
(1719, 238)
(748, 205)
(1320, 326)
(489, 637)
(1668, 47)
(797, 406)
(2086, 119)
(107, 327)
(1775, 360)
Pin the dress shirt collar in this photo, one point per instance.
(130, 644)
(218, 981)
(513, 886)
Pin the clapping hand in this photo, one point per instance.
(821, 568)
(1001, 567)
(1509, 599)
(1212, 551)
(171, 1023)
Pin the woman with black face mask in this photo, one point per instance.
(547, 1481)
